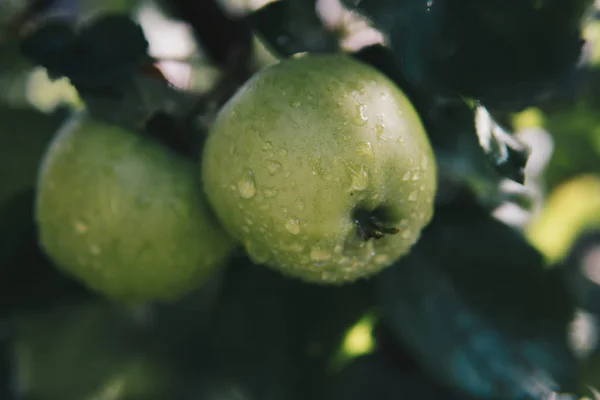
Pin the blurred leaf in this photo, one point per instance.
(469, 48)
(103, 55)
(574, 123)
(275, 337)
(376, 376)
(581, 268)
(7, 378)
(86, 350)
(476, 306)
(28, 279)
(291, 27)
(25, 134)
(506, 152)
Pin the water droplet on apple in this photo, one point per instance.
(379, 130)
(292, 225)
(361, 117)
(317, 254)
(267, 146)
(295, 247)
(382, 259)
(246, 186)
(413, 196)
(270, 192)
(296, 104)
(365, 149)
(424, 162)
(80, 227)
(257, 253)
(422, 188)
(416, 176)
(300, 204)
(272, 166)
(94, 249)
(360, 178)
(406, 176)
(406, 234)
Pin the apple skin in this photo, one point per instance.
(126, 215)
(300, 149)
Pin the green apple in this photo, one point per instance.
(322, 168)
(126, 215)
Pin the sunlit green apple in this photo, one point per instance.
(321, 167)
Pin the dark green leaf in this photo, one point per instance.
(290, 27)
(478, 309)
(503, 53)
(376, 376)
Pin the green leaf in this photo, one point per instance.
(477, 308)
(291, 27)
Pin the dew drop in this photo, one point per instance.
(267, 146)
(413, 196)
(365, 149)
(406, 234)
(246, 186)
(80, 227)
(361, 117)
(300, 204)
(257, 253)
(406, 176)
(424, 162)
(292, 225)
(317, 254)
(379, 130)
(296, 104)
(296, 247)
(272, 166)
(338, 249)
(422, 188)
(94, 249)
(270, 192)
(245, 229)
(360, 178)
(382, 259)
(416, 176)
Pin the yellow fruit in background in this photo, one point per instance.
(571, 208)
(126, 215)
(314, 163)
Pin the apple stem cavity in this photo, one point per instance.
(370, 225)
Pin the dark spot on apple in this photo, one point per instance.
(370, 223)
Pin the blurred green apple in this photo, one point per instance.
(125, 215)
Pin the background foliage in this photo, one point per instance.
(508, 92)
